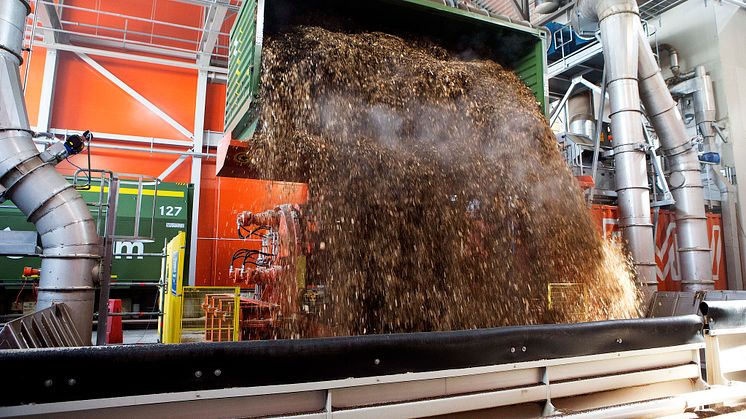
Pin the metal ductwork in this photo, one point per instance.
(685, 177)
(673, 58)
(620, 27)
(71, 246)
(634, 78)
(699, 84)
(580, 114)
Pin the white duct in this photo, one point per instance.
(68, 232)
(685, 178)
(620, 28)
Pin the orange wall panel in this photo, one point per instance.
(232, 196)
(215, 107)
(35, 76)
(666, 247)
(85, 99)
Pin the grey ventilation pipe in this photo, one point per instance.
(629, 58)
(68, 233)
(620, 29)
(685, 175)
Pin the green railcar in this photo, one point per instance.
(163, 213)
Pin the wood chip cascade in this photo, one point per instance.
(439, 196)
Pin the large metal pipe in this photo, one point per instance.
(620, 25)
(685, 175)
(71, 246)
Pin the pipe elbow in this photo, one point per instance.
(598, 10)
(673, 58)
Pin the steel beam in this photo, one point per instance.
(121, 137)
(46, 99)
(196, 179)
(136, 149)
(129, 45)
(129, 57)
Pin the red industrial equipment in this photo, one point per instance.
(273, 271)
(276, 272)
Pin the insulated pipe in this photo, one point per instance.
(68, 232)
(685, 178)
(620, 25)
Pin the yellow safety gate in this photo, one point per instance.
(195, 314)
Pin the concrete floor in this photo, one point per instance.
(147, 336)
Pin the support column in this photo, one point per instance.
(196, 179)
(46, 100)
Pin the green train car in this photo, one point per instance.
(136, 268)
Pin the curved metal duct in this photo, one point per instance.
(71, 246)
(620, 27)
(580, 115)
(673, 57)
(685, 176)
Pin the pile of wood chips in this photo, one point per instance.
(437, 191)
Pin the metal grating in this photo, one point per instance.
(653, 8)
(148, 27)
(209, 314)
(48, 328)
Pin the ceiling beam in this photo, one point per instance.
(208, 3)
(129, 56)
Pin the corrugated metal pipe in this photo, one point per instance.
(71, 246)
(620, 25)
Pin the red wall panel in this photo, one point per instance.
(34, 81)
(666, 248)
(218, 231)
(85, 99)
(215, 108)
